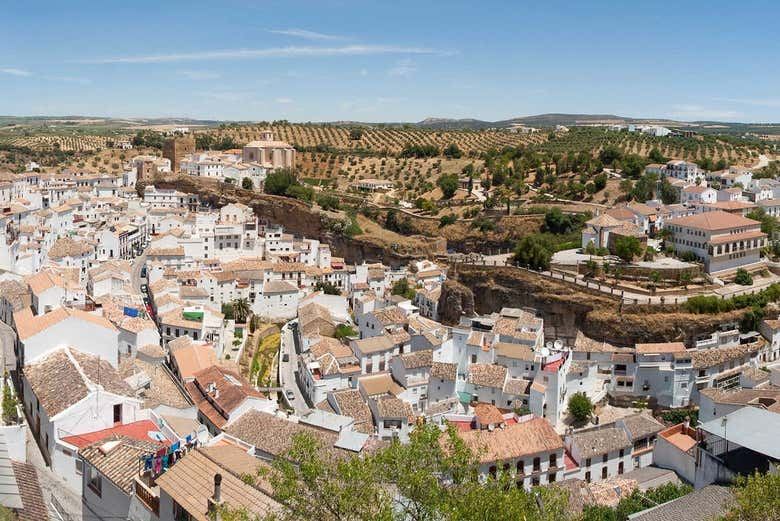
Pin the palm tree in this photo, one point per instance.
(241, 309)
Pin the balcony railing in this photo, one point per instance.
(147, 497)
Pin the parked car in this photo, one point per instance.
(144, 288)
(290, 395)
(143, 272)
(285, 357)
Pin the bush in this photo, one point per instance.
(402, 287)
(676, 416)
(327, 288)
(246, 184)
(279, 181)
(743, 278)
(446, 220)
(328, 202)
(580, 407)
(532, 252)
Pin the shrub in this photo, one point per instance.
(344, 331)
(627, 247)
(743, 278)
(532, 252)
(446, 220)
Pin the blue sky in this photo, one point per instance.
(394, 60)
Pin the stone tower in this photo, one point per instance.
(175, 149)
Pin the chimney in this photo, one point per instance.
(215, 501)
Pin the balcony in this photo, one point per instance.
(147, 496)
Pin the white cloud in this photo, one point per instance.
(402, 68)
(757, 102)
(271, 52)
(698, 112)
(284, 100)
(198, 74)
(16, 72)
(306, 35)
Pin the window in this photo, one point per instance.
(537, 464)
(473, 359)
(551, 477)
(520, 467)
(94, 481)
(79, 466)
(553, 460)
(118, 413)
(622, 453)
(587, 462)
(603, 472)
(587, 477)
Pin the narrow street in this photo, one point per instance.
(287, 371)
(138, 264)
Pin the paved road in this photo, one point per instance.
(287, 372)
(138, 264)
(762, 162)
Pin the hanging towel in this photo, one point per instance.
(175, 446)
(171, 458)
(188, 439)
(147, 463)
(165, 462)
(161, 452)
(157, 465)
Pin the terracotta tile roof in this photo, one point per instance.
(723, 239)
(231, 391)
(712, 357)
(517, 386)
(116, 458)
(513, 441)
(641, 426)
(487, 375)
(273, 435)
(375, 344)
(390, 316)
(28, 325)
(658, 348)
(66, 376)
(600, 441)
(279, 286)
(33, 505)
(444, 371)
(351, 403)
(190, 482)
(193, 359)
(67, 247)
(515, 351)
(417, 359)
(712, 221)
(392, 407)
(488, 414)
(604, 220)
(44, 280)
(379, 384)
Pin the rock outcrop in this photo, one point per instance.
(456, 300)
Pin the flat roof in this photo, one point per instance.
(740, 427)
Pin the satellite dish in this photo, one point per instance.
(548, 345)
(545, 352)
(558, 344)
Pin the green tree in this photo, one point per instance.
(533, 252)
(609, 154)
(580, 407)
(279, 181)
(555, 221)
(241, 310)
(756, 498)
(627, 247)
(246, 184)
(669, 194)
(448, 184)
(356, 134)
(452, 151)
(768, 223)
(403, 288)
(656, 156)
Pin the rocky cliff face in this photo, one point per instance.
(456, 300)
(568, 309)
(299, 219)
